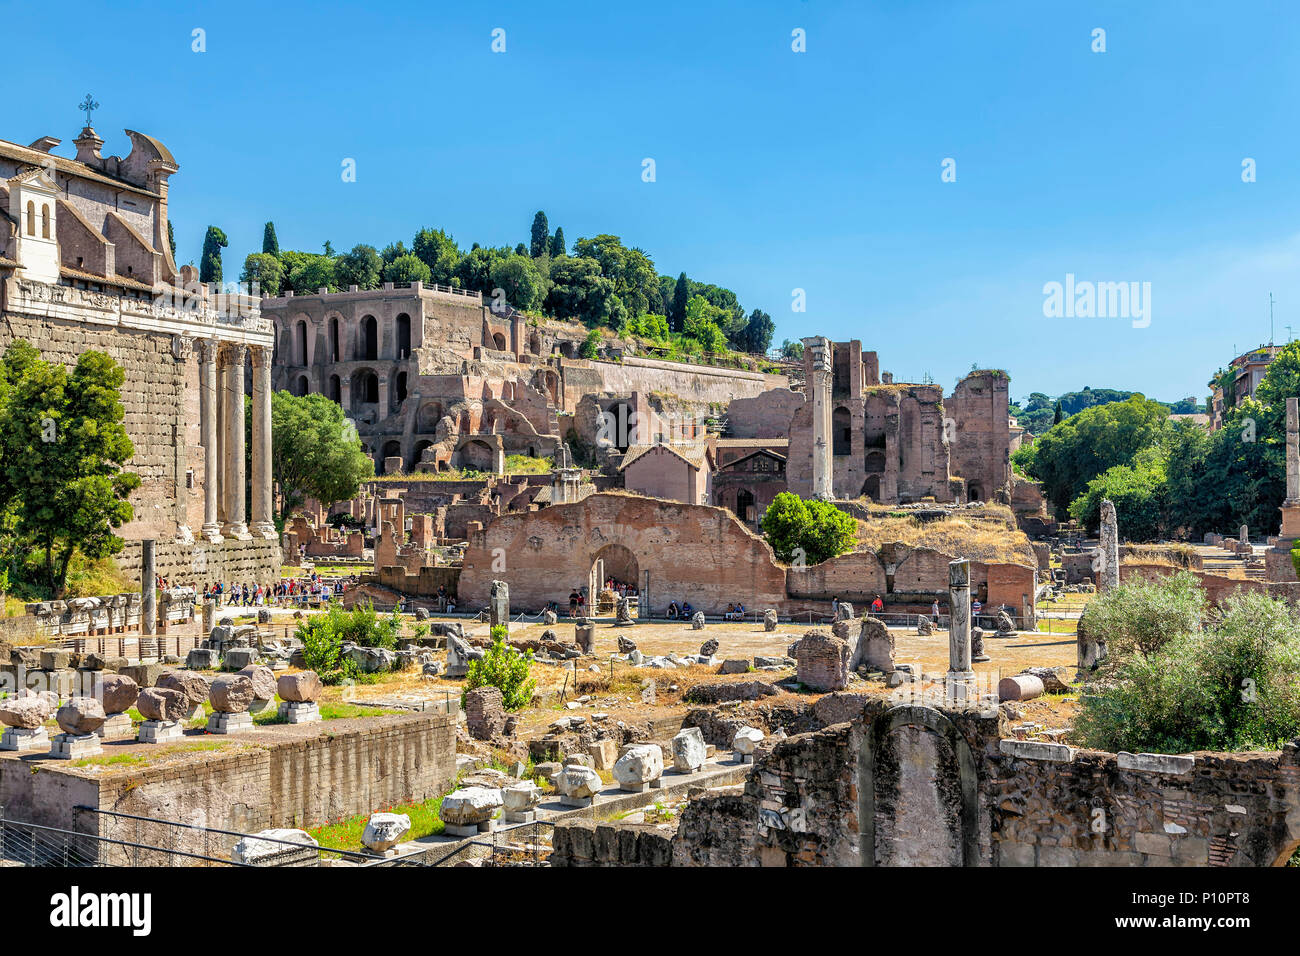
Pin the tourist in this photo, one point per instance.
(673, 611)
(934, 613)
(573, 603)
(975, 608)
(877, 606)
(835, 607)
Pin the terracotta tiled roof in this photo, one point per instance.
(694, 455)
(119, 281)
(753, 443)
(35, 157)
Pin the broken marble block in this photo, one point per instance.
(163, 704)
(689, 751)
(384, 830)
(118, 693)
(639, 767)
(81, 716)
(231, 693)
(577, 783)
(302, 687)
(697, 621)
(265, 846)
(468, 808)
(263, 681)
(193, 686)
(745, 741)
(769, 620)
(26, 713)
(520, 800)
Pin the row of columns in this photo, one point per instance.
(221, 415)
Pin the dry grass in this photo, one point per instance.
(1172, 554)
(985, 539)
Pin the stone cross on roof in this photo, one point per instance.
(88, 105)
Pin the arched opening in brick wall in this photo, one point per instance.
(498, 341)
(617, 563)
(399, 389)
(334, 340)
(336, 389)
(477, 455)
(301, 386)
(745, 505)
(365, 387)
(420, 446)
(403, 336)
(369, 338)
(841, 431)
(300, 331)
(429, 417)
(392, 449)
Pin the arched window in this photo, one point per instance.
(369, 338)
(403, 336)
(399, 393)
(45, 220)
(841, 432)
(31, 218)
(334, 340)
(302, 342)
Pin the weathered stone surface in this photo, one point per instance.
(253, 851)
(163, 703)
(577, 781)
(639, 765)
(470, 805)
(55, 658)
(924, 626)
(549, 617)
(746, 739)
(689, 751)
(27, 713)
(1054, 678)
(384, 830)
(119, 693)
(823, 661)
(625, 644)
(202, 658)
(709, 648)
(734, 666)
(302, 687)
(716, 693)
(875, 647)
(485, 712)
(231, 693)
(1020, 687)
(521, 797)
(237, 658)
(697, 621)
(844, 611)
(769, 620)
(80, 716)
(193, 686)
(263, 680)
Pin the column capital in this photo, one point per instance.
(261, 354)
(234, 353)
(208, 349)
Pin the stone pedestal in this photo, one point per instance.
(469, 829)
(959, 654)
(575, 801)
(20, 738)
(521, 816)
(223, 723)
(746, 758)
(634, 787)
(159, 731)
(299, 712)
(116, 725)
(75, 746)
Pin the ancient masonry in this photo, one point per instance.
(85, 264)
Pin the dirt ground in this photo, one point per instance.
(616, 688)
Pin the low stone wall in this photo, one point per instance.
(927, 785)
(279, 776)
(203, 563)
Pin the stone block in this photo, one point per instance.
(159, 731)
(55, 659)
(25, 738)
(202, 658)
(237, 658)
(300, 712)
(145, 675)
(75, 746)
(230, 723)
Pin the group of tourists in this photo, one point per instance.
(310, 588)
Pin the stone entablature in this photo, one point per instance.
(112, 614)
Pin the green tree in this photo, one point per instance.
(62, 450)
(702, 324)
(590, 348)
(474, 271)
(270, 244)
(681, 296)
(518, 277)
(1057, 416)
(210, 265)
(171, 239)
(308, 272)
(541, 236)
(408, 268)
(439, 252)
(758, 332)
(579, 291)
(1138, 493)
(503, 667)
(807, 531)
(361, 268)
(263, 270)
(557, 243)
(315, 452)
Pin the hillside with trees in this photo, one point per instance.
(598, 281)
(1039, 412)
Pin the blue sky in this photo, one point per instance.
(775, 170)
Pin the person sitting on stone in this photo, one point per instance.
(730, 613)
(687, 610)
(673, 611)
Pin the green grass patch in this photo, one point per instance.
(343, 711)
(346, 834)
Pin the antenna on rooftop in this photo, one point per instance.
(1270, 318)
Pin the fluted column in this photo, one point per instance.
(208, 420)
(263, 521)
(232, 400)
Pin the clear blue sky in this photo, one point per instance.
(776, 170)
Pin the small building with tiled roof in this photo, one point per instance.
(676, 472)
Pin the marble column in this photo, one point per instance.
(819, 395)
(148, 588)
(263, 519)
(1293, 451)
(211, 453)
(232, 400)
(1109, 579)
(959, 658)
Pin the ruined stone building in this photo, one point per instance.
(85, 264)
(435, 379)
(892, 442)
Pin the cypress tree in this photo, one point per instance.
(541, 235)
(557, 243)
(210, 264)
(270, 244)
(681, 295)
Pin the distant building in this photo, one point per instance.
(1247, 371)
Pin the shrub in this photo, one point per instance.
(504, 667)
(323, 637)
(811, 530)
(1234, 685)
(1141, 616)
